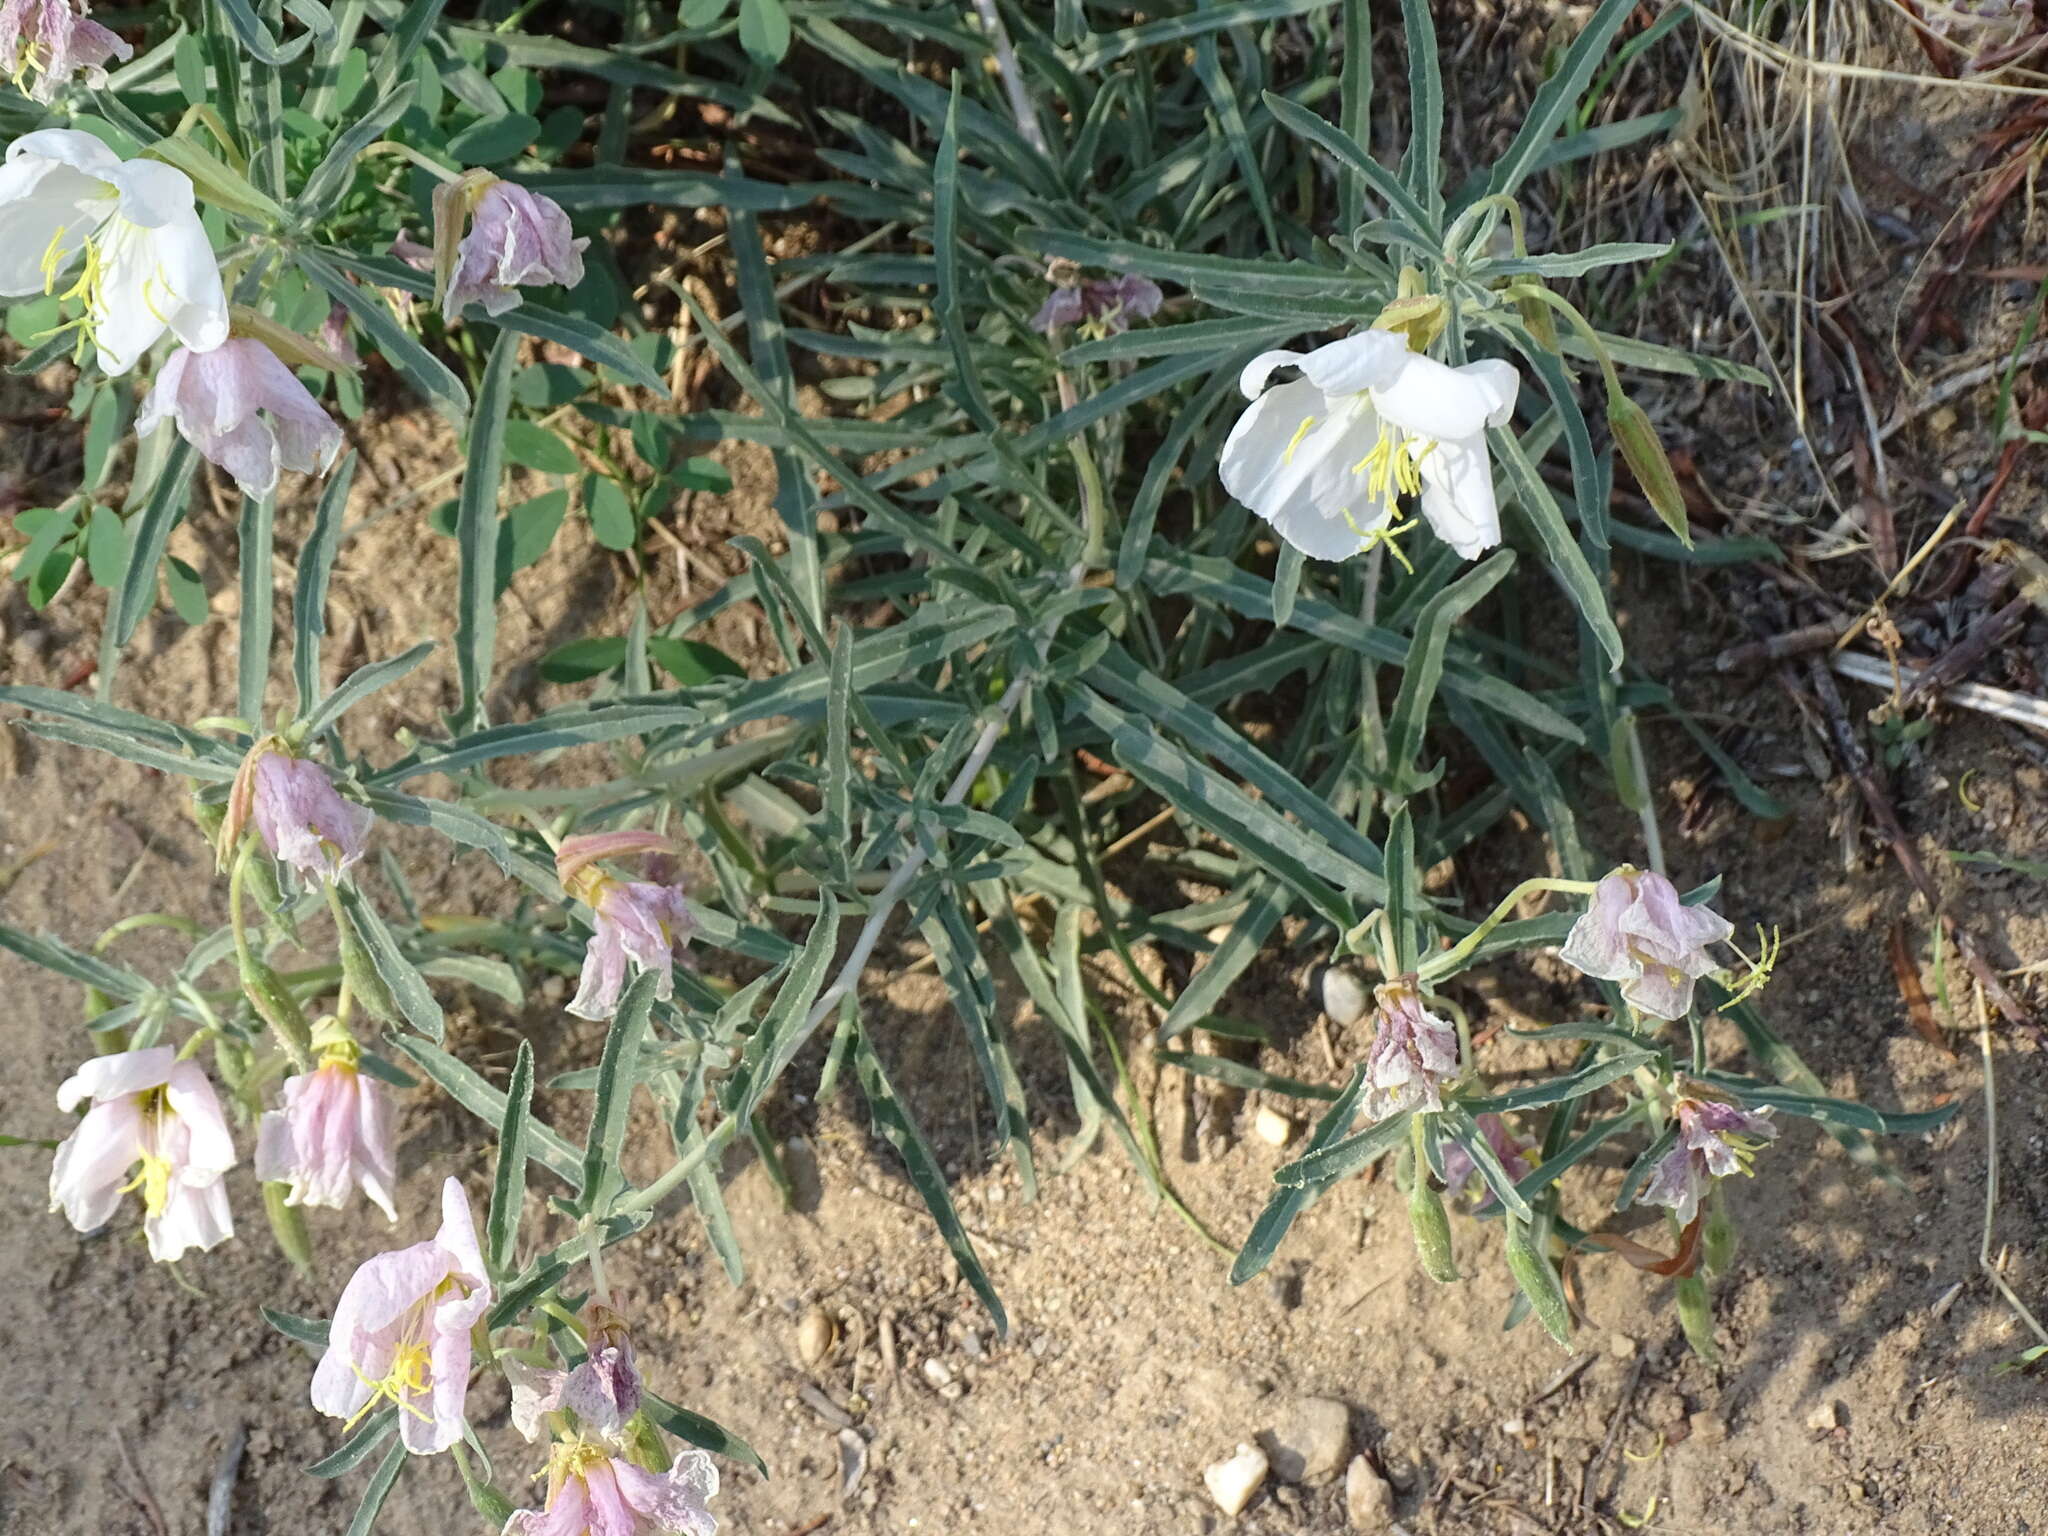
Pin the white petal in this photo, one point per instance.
(115, 1076)
(1435, 400)
(1264, 463)
(1361, 361)
(1501, 381)
(1457, 496)
(152, 194)
(1257, 371)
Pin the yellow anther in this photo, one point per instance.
(410, 1375)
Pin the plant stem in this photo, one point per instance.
(1438, 966)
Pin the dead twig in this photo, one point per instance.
(220, 1495)
(1961, 659)
(144, 1498)
(1793, 642)
(1906, 972)
(1590, 1482)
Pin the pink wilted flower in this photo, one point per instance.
(1638, 932)
(1714, 1140)
(333, 1133)
(401, 1333)
(1413, 1053)
(1459, 1169)
(56, 42)
(591, 1492)
(147, 1107)
(515, 238)
(642, 922)
(241, 407)
(303, 821)
(1101, 306)
(603, 1392)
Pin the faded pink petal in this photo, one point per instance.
(1715, 1140)
(593, 1493)
(1636, 931)
(303, 821)
(332, 1135)
(149, 1108)
(1413, 1053)
(337, 335)
(241, 407)
(580, 852)
(57, 44)
(401, 1332)
(516, 238)
(637, 924)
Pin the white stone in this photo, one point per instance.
(1344, 995)
(936, 1373)
(1272, 1127)
(1232, 1483)
(1368, 1501)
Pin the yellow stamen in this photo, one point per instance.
(1392, 468)
(1294, 442)
(1385, 534)
(155, 1183)
(410, 1375)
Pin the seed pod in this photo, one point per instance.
(275, 1005)
(1696, 1317)
(1432, 1228)
(288, 1226)
(1539, 1282)
(364, 981)
(1638, 442)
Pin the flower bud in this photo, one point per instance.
(1432, 1227)
(1639, 445)
(288, 1226)
(1718, 1238)
(1696, 1317)
(275, 1006)
(1539, 1282)
(364, 981)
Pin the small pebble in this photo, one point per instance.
(936, 1373)
(1232, 1483)
(1826, 1417)
(1368, 1501)
(1272, 1127)
(1344, 995)
(815, 1335)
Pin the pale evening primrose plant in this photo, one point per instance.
(147, 265)
(1637, 932)
(401, 1333)
(241, 407)
(1325, 457)
(151, 1108)
(57, 43)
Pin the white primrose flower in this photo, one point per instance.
(1325, 457)
(147, 265)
